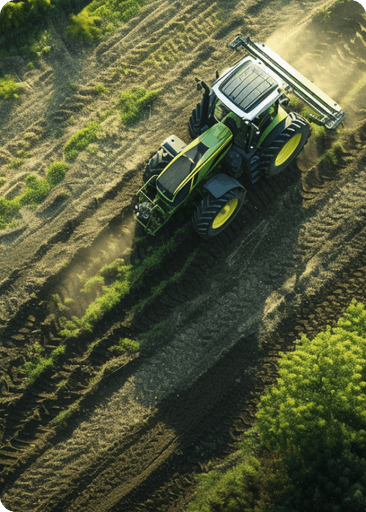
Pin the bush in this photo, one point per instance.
(243, 483)
(316, 417)
(9, 88)
(56, 173)
(319, 403)
(337, 484)
(14, 13)
(84, 25)
(35, 192)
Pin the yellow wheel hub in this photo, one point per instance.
(225, 213)
(288, 149)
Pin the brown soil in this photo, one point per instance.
(290, 264)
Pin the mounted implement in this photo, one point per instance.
(241, 121)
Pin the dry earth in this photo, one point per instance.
(290, 264)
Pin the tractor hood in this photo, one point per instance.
(186, 170)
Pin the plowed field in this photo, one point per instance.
(103, 432)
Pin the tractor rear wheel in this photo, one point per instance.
(156, 164)
(286, 146)
(214, 215)
(195, 121)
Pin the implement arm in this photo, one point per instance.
(301, 86)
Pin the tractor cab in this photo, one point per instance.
(248, 90)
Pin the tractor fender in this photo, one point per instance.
(273, 134)
(218, 185)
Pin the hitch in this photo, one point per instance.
(331, 112)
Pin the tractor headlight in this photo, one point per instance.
(142, 210)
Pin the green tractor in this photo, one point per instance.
(240, 122)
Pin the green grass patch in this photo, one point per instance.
(93, 150)
(132, 104)
(9, 88)
(333, 155)
(153, 332)
(126, 345)
(102, 17)
(81, 140)
(16, 163)
(101, 89)
(67, 413)
(112, 295)
(91, 283)
(127, 277)
(36, 191)
(2, 182)
(22, 153)
(121, 70)
(38, 364)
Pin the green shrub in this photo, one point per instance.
(91, 283)
(84, 25)
(56, 173)
(245, 482)
(80, 140)
(14, 13)
(35, 192)
(319, 402)
(9, 88)
(336, 484)
(132, 103)
(42, 45)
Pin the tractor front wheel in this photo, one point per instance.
(214, 215)
(286, 146)
(156, 164)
